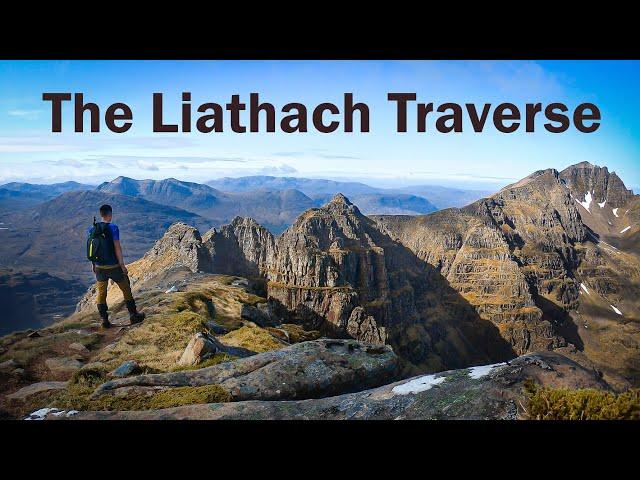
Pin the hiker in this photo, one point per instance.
(105, 253)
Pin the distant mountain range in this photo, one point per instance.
(17, 196)
(437, 197)
(51, 236)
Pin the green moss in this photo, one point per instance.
(198, 302)
(89, 376)
(171, 397)
(256, 339)
(455, 376)
(581, 404)
(77, 396)
(215, 360)
(294, 333)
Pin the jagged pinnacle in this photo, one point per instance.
(341, 199)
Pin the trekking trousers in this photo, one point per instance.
(115, 273)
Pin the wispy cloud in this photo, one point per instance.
(277, 169)
(288, 154)
(338, 157)
(69, 162)
(147, 165)
(27, 114)
(173, 159)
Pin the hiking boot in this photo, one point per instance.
(134, 315)
(104, 315)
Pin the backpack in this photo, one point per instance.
(99, 243)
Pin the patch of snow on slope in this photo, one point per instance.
(418, 385)
(482, 370)
(587, 201)
(584, 287)
(616, 310)
(624, 229)
(42, 413)
(615, 212)
(601, 205)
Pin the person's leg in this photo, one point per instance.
(101, 301)
(123, 283)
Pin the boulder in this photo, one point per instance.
(63, 365)
(261, 314)
(34, 388)
(130, 367)
(78, 347)
(494, 392)
(199, 348)
(216, 328)
(305, 370)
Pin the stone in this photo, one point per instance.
(9, 365)
(35, 388)
(199, 348)
(216, 328)
(63, 365)
(78, 347)
(130, 367)
(260, 314)
(304, 370)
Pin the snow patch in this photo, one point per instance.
(42, 413)
(418, 385)
(616, 310)
(601, 205)
(172, 289)
(584, 287)
(71, 413)
(625, 229)
(587, 201)
(483, 370)
(615, 212)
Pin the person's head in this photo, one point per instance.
(106, 212)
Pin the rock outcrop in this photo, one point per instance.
(305, 370)
(492, 392)
(591, 181)
(511, 255)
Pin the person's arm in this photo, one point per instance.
(118, 249)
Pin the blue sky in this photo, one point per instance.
(29, 151)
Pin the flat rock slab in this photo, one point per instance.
(34, 388)
(312, 369)
(78, 347)
(488, 392)
(126, 369)
(63, 365)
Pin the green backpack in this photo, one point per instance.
(99, 243)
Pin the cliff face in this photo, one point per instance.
(330, 261)
(584, 178)
(241, 248)
(339, 271)
(510, 256)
